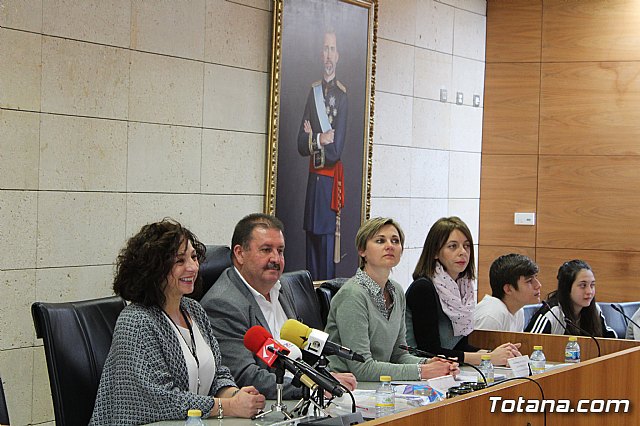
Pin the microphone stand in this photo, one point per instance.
(420, 352)
(278, 406)
(626, 317)
(571, 323)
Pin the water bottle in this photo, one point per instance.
(385, 397)
(194, 418)
(537, 361)
(487, 369)
(572, 350)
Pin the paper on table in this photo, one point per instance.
(519, 365)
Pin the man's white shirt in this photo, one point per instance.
(492, 314)
(272, 310)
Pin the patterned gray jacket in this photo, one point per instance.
(145, 375)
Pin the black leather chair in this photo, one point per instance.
(325, 292)
(77, 337)
(217, 259)
(4, 413)
(614, 319)
(304, 298)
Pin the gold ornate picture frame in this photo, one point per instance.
(318, 179)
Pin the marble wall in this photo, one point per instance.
(426, 156)
(114, 113)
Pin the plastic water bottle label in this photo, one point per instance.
(572, 355)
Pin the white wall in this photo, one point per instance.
(112, 114)
(426, 157)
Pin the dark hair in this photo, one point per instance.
(588, 318)
(148, 257)
(242, 233)
(436, 239)
(508, 269)
(369, 229)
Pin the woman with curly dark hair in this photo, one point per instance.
(573, 304)
(164, 359)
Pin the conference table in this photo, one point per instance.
(603, 382)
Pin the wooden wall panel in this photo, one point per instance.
(508, 184)
(486, 255)
(590, 108)
(590, 30)
(511, 108)
(587, 151)
(616, 272)
(589, 202)
(522, 20)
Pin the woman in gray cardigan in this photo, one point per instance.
(367, 313)
(164, 359)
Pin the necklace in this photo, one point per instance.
(192, 348)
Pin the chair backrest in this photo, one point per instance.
(325, 292)
(529, 310)
(629, 308)
(218, 258)
(4, 413)
(77, 337)
(614, 319)
(304, 297)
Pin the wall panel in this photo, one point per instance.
(508, 185)
(578, 30)
(522, 20)
(511, 108)
(588, 202)
(590, 108)
(586, 154)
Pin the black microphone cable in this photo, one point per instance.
(544, 413)
(420, 352)
(571, 323)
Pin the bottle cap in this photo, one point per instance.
(385, 378)
(573, 339)
(485, 357)
(537, 348)
(194, 413)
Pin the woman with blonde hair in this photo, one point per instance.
(367, 314)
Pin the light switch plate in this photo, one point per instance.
(524, 219)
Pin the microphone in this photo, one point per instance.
(258, 339)
(325, 383)
(420, 352)
(619, 309)
(260, 342)
(571, 323)
(315, 341)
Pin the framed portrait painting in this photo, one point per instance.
(321, 130)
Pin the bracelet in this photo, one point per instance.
(220, 409)
(419, 372)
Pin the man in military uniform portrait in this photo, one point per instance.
(321, 138)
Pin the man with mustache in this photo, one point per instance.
(321, 137)
(250, 293)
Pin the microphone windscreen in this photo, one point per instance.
(295, 332)
(294, 352)
(255, 337)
